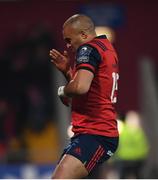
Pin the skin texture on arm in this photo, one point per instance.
(80, 84)
(81, 81)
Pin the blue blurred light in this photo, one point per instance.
(107, 14)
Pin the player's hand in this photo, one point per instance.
(61, 61)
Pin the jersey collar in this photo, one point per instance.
(101, 37)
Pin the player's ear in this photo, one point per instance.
(83, 35)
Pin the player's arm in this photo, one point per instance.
(80, 84)
(88, 60)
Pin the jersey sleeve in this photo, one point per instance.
(87, 58)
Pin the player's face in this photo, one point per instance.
(72, 38)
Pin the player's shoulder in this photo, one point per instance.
(89, 46)
(87, 53)
(85, 48)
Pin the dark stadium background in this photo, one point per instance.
(135, 39)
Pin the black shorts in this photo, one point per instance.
(91, 150)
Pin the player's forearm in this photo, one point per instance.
(74, 89)
(79, 85)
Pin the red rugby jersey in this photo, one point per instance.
(94, 112)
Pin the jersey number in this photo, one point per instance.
(115, 77)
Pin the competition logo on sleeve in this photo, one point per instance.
(83, 54)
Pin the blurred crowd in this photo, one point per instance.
(26, 93)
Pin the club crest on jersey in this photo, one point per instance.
(85, 50)
(83, 54)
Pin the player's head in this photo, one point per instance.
(78, 29)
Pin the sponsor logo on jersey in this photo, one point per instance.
(83, 54)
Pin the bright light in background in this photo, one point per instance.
(109, 32)
(133, 119)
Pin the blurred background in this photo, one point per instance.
(34, 125)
